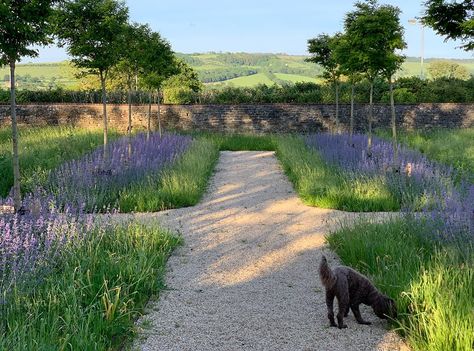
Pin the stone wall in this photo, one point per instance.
(253, 118)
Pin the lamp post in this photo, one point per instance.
(422, 50)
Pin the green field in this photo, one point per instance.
(36, 76)
(247, 81)
(222, 69)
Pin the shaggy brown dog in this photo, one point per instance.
(351, 289)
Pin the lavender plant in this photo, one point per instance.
(420, 184)
(31, 242)
(416, 181)
(96, 180)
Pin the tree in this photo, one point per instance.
(93, 31)
(131, 65)
(392, 59)
(182, 86)
(22, 24)
(351, 66)
(375, 34)
(447, 69)
(322, 49)
(454, 20)
(158, 64)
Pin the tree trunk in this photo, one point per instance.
(16, 162)
(371, 114)
(351, 131)
(337, 107)
(150, 100)
(394, 125)
(104, 106)
(159, 112)
(129, 129)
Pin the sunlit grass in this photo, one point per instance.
(41, 149)
(94, 295)
(326, 186)
(433, 284)
(180, 185)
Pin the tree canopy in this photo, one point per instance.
(447, 69)
(93, 32)
(454, 20)
(23, 24)
(321, 49)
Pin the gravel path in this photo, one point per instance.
(246, 277)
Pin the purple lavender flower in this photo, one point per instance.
(95, 180)
(419, 183)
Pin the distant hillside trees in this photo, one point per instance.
(447, 69)
(182, 87)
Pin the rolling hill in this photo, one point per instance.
(214, 69)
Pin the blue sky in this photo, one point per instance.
(262, 26)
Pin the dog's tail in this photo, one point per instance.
(326, 274)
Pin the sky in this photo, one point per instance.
(264, 26)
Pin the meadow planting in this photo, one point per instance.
(83, 277)
(43, 149)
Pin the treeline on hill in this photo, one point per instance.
(407, 90)
(219, 67)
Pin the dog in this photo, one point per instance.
(351, 289)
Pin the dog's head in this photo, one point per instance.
(384, 307)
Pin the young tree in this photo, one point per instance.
(183, 85)
(93, 31)
(158, 64)
(322, 49)
(374, 43)
(454, 20)
(130, 68)
(22, 24)
(351, 66)
(393, 60)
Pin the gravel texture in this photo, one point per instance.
(246, 277)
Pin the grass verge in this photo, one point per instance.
(432, 283)
(41, 149)
(180, 185)
(325, 186)
(94, 295)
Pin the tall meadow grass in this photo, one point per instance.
(432, 282)
(42, 149)
(93, 295)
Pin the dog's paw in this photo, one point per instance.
(333, 325)
(344, 326)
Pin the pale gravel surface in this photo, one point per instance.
(246, 277)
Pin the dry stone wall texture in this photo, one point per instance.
(246, 118)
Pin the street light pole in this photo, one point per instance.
(422, 47)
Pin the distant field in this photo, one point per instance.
(41, 75)
(235, 69)
(293, 78)
(413, 68)
(247, 81)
